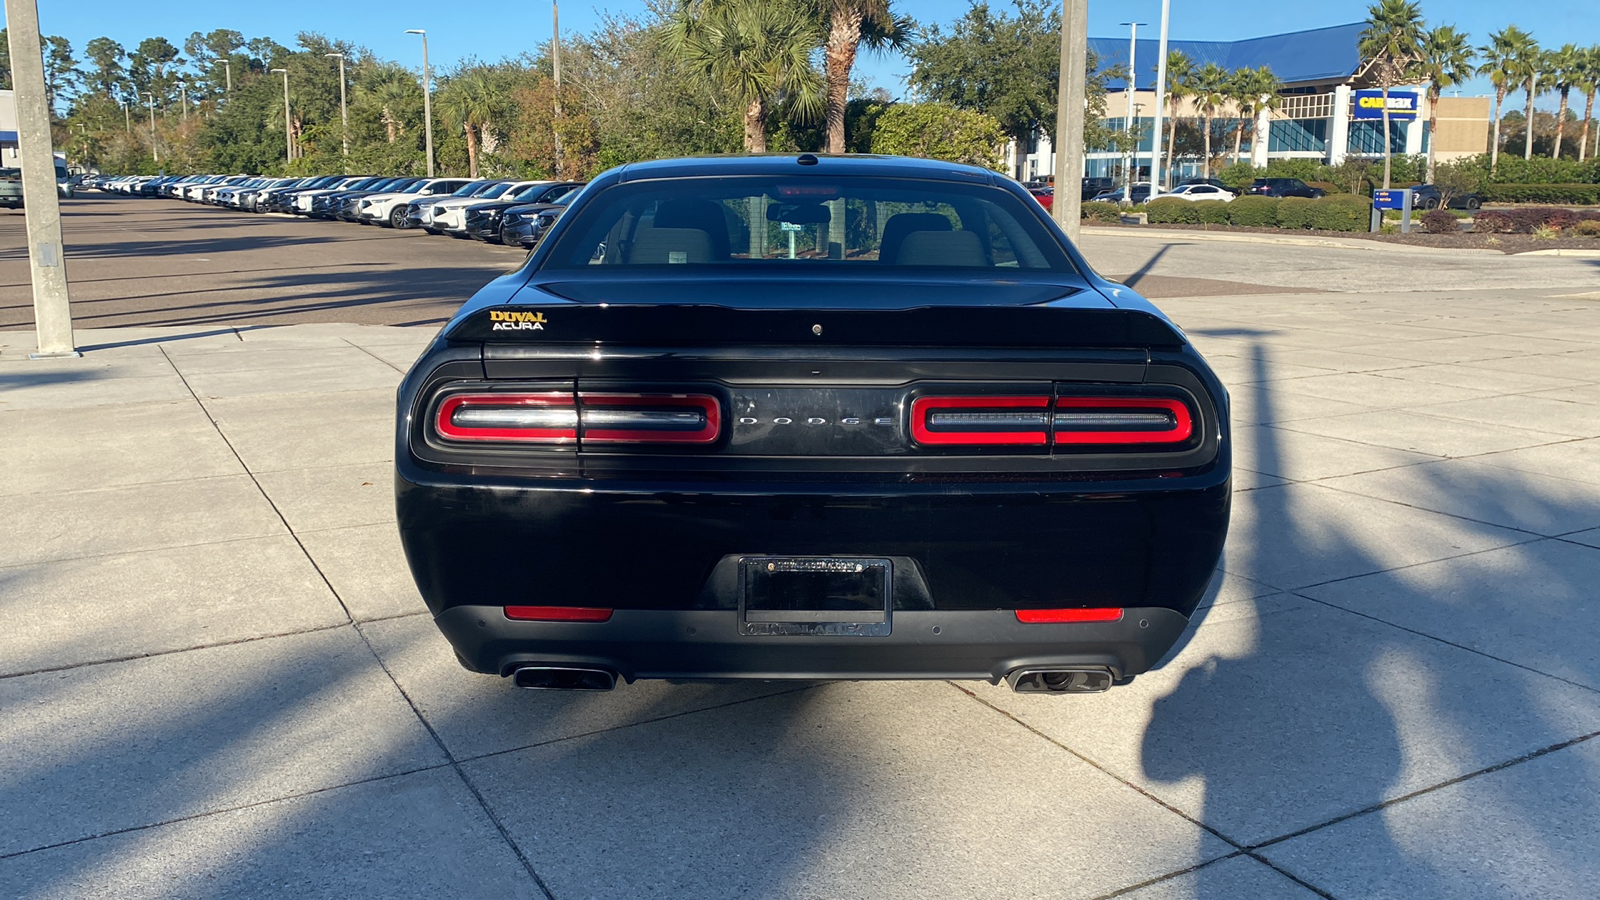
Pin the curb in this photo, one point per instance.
(1572, 254)
(1241, 238)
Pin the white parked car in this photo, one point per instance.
(1198, 192)
(389, 209)
(302, 200)
(450, 216)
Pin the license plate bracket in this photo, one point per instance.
(815, 595)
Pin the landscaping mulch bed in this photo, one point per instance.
(1505, 243)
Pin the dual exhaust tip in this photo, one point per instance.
(564, 678)
(1077, 680)
(1072, 680)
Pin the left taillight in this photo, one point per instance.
(523, 418)
(583, 419)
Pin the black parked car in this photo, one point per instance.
(484, 220)
(671, 445)
(1284, 187)
(1427, 196)
(525, 226)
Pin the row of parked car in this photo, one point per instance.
(1425, 196)
(499, 211)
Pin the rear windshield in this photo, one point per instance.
(908, 223)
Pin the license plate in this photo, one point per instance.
(821, 595)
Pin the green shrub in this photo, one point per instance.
(1211, 212)
(1239, 175)
(1172, 211)
(1258, 212)
(1100, 211)
(1439, 221)
(1543, 193)
(1297, 212)
(1342, 212)
(1587, 228)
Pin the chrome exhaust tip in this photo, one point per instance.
(1072, 680)
(564, 678)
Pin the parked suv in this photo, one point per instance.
(1284, 187)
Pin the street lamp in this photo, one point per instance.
(427, 97)
(555, 57)
(1133, 87)
(1158, 162)
(155, 155)
(183, 97)
(288, 136)
(127, 117)
(227, 71)
(344, 113)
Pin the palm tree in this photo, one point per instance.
(1210, 90)
(852, 24)
(1257, 91)
(1180, 72)
(469, 101)
(1446, 61)
(1393, 41)
(1588, 82)
(1500, 57)
(759, 51)
(1238, 93)
(1532, 71)
(1565, 67)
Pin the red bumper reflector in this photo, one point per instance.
(558, 614)
(961, 421)
(1046, 616)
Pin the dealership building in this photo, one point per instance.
(1330, 107)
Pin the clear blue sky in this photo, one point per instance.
(492, 30)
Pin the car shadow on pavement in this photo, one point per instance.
(1310, 712)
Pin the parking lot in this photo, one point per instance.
(218, 680)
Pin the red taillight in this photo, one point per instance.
(558, 614)
(1047, 616)
(981, 421)
(530, 418)
(1121, 420)
(649, 418)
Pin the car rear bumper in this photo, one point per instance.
(665, 558)
(922, 644)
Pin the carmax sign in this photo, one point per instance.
(1403, 105)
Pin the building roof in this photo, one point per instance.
(1320, 54)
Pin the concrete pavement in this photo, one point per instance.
(217, 680)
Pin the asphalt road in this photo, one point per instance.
(135, 261)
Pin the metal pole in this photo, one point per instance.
(52, 307)
(555, 59)
(1067, 207)
(155, 154)
(288, 134)
(227, 70)
(427, 97)
(1158, 160)
(1132, 88)
(127, 117)
(344, 111)
(183, 97)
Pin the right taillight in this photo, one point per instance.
(1090, 421)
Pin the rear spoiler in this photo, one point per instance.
(702, 326)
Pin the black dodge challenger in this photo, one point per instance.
(811, 417)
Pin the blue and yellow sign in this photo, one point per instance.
(1403, 105)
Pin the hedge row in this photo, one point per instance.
(1531, 219)
(1340, 212)
(1100, 211)
(1587, 194)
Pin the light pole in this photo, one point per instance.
(127, 117)
(155, 155)
(555, 61)
(1156, 159)
(427, 97)
(227, 71)
(183, 98)
(288, 136)
(344, 112)
(1133, 87)
(1067, 207)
